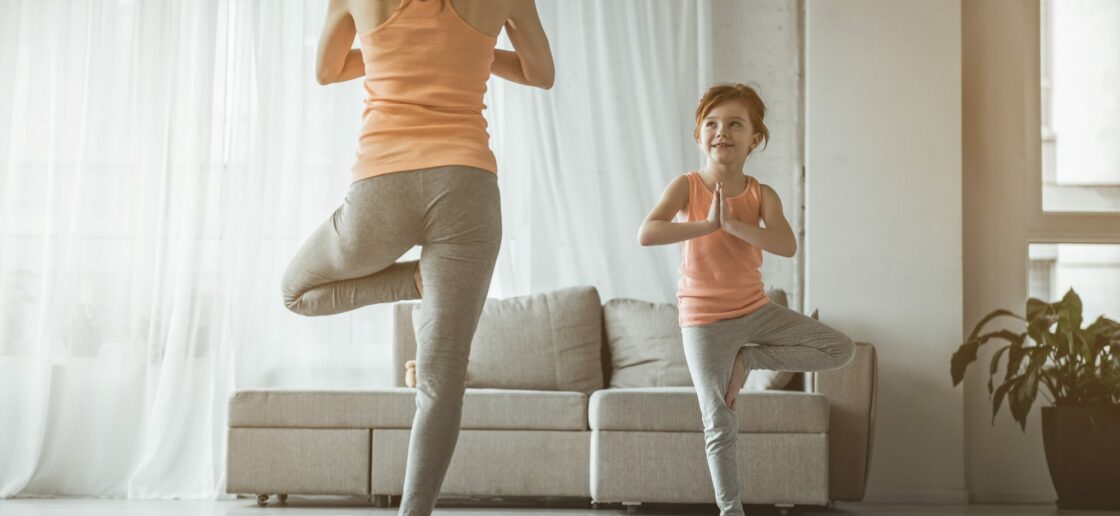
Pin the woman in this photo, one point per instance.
(424, 175)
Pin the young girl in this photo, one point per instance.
(729, 325)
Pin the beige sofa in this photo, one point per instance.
(566, 398)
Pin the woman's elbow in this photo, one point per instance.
(542, 80)
(542, 77)
(548, 80)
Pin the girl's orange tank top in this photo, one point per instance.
(720, 277)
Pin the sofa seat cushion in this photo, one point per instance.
(675, 409)
(394, 407)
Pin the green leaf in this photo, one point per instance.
(1035, 307)
(1071, 310)
(1014, 361)
(1022, 398)
(995, 365)
(1038, 356)
(1001, 391)
(996, 313)
(965, 354)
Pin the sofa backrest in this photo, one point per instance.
(549, 341)
(643, 347)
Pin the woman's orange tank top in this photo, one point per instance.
(426, 72)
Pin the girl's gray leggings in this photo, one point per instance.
(775, 338)
(350, 261)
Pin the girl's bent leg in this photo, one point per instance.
(789, 341)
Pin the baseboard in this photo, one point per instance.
(918, 496)
(1028, 496)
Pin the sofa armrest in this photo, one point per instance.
(852, 392)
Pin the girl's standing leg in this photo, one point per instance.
(462, 232)
(710, 354)
(773, 337)
(350, 260)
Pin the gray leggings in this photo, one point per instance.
(775, 338)
(350, 261)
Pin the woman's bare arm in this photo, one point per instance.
(530, 62)
(337, 62)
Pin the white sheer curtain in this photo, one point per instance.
(160, 162)
(582, 164)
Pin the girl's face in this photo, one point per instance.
(726, 134)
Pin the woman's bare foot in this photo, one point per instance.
(738, 379)
(417, 280)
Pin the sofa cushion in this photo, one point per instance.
(767, 380)
(395, 407)
(645, 344)
(676, 409)
(646, 348)
(550, 341)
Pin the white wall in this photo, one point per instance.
(1004, 464)
(758, 42)
(883, 197)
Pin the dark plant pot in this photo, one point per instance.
(1083, 453)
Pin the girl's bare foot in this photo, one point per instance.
(738, 379)
(419, 282)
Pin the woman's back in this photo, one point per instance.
(426, 68)
(487, 16)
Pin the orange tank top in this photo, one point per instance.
(426, 72)
(720, 277)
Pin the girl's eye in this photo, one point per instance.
(735, 123)
(711, 124)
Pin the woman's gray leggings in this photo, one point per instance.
(350, 261)
(775, 338)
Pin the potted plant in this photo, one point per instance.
(1079, 371)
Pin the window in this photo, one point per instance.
(1092, 270)
(1080, 94)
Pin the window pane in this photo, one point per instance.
(1092, 270)
(1080, 105)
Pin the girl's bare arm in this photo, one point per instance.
(659, 228)
(777, 237)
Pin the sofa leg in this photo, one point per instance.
(784, 508)
(262, 500)
(631, 507)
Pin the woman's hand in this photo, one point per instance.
(715, 209)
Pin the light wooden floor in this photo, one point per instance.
(306, 506)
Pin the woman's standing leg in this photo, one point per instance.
(461, 236)
(710, 353)
(350, 260)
